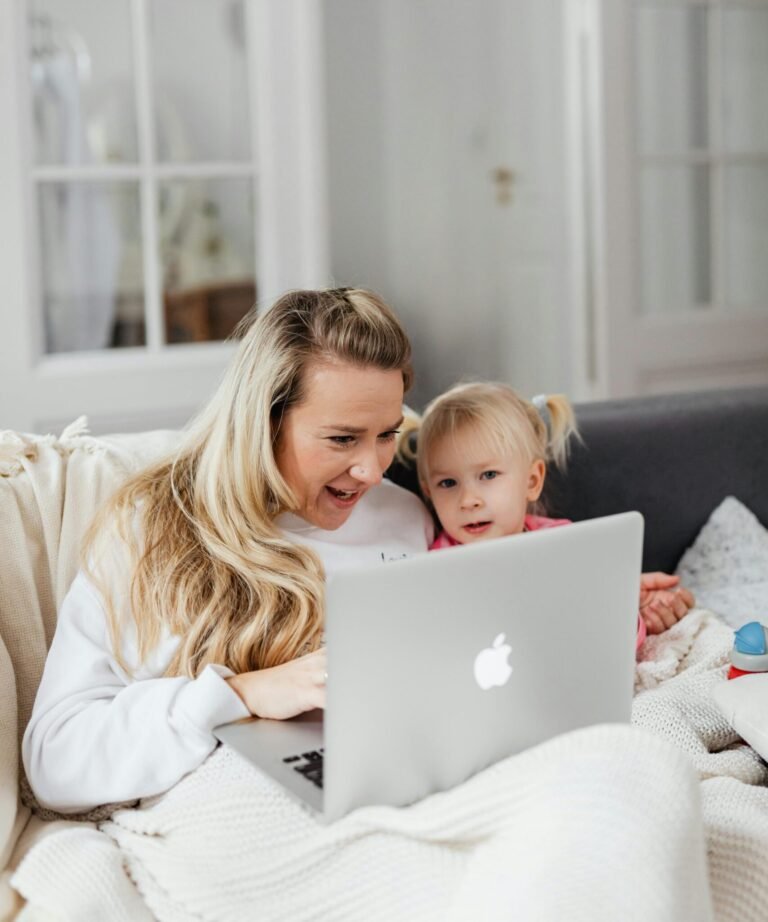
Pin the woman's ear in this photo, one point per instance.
(536, 477)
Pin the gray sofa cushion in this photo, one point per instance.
(672, 458)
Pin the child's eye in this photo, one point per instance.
(446, 483)
(489, 475)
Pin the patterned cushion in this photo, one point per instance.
(726, 567)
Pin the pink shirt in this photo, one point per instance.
(532, 523)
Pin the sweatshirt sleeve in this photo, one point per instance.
(98, 736)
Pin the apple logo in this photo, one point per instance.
(491, 666)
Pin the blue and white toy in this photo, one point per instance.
(750, 650)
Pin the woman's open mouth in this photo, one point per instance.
(343, 498)
(477, 528)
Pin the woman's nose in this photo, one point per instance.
(367, 471)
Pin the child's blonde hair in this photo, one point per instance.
(503, 419)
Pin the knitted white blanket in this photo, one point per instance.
(607, 823)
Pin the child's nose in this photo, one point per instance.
(470, 500)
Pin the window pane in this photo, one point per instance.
(81, 72)
(672, 79)
(675, 238)
(745, 79)
(746, 237)
(93, 293)
(200, 80)
(206, 229)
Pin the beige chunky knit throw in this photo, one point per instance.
(610, 822)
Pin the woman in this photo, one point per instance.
(201, 599)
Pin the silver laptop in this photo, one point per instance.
(443, 663)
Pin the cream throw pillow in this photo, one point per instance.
(726, 567)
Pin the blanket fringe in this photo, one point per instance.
(13, 447)
(17, 447)
(77, 428)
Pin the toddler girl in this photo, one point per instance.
(482, 460)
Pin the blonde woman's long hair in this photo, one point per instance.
(208, 563)
(500, 418)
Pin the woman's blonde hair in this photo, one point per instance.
(208, 562)
(500, 419)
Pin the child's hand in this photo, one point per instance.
(662, 602)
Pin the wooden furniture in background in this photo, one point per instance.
(208, 312)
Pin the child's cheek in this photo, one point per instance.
(448, 518)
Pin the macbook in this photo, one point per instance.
(443, 663)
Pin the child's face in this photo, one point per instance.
(478, 494)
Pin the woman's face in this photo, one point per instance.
(336, 444)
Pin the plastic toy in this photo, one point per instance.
(750, 650)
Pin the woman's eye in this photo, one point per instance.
(447, 483)
(389, 436)
(342, 439)
(489, 475)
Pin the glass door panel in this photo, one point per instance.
(675, 255)
(207, 250)
(672, 65)
(91, 265)
(745, 80)
(745, 231)
(82, 80)
(200, 76)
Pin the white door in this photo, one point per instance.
(447, 180)
(675, 294)
(164, 169)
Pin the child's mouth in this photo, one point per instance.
(477, 528)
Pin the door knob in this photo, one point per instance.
(504, 179)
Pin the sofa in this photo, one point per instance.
(673, 458)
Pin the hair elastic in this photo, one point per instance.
(540, 402)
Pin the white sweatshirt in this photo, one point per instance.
(99, 735)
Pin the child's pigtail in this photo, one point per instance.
(405, 452)
(561, 427)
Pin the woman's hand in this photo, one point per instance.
(662, 602)
(284, 691)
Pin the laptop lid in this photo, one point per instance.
(443, 663)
